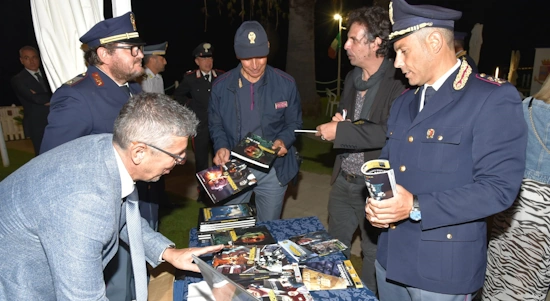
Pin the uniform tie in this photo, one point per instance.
(40, 80)
(428, 94)
(133, 226)
(207, 77)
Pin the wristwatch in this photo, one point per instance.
(415, 214)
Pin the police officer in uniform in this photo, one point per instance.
(154, 62)
(194, 92)
(90, 103)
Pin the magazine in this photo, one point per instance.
(226, 217)
(379, 178)
(319, 242)
(258, 235)
(318, 275)
(256, 151)
(223, 181)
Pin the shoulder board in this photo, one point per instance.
(490, 79)
(189, 72)
(76, 79)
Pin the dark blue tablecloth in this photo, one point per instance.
(281, 230)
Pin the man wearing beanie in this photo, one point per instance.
(257, 98)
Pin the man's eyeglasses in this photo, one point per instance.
(134, 49)
(179, 160)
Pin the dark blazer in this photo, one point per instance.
(463, 155)
(35, 100)
(85, 105)
(194, 92)
(371, 135)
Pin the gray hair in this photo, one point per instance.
(448, 35)
(154, 119)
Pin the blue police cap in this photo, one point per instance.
(120, 29)
(251, 41)
(158, 49)
(406, 18)
(459, 35)
(203, 50)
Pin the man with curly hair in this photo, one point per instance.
(369, 91)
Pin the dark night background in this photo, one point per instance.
(508, 25)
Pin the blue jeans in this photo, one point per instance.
(389, 291)
(346, 212)
(268, 195)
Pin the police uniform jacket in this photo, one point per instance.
(86, 105)
(463, 155)
(369, 135)
(281, 114)
(194, 85)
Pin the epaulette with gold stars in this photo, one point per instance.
(462, 76)
(490, 79)
(76, 79)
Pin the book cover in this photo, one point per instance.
(255, 150)
(295, 251)
(379, 178)
(258, 235)
(318, 242)
(250, 260)
(238, 212)
(334, 268)
(223, 181)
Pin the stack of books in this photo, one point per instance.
(258, 235)
(219, 218)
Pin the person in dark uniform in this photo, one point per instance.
(33, 91)
(461, 53)
(194, 92)
(453, 165)
(90, 103)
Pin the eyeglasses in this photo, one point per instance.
(134, 49)
(178, 160)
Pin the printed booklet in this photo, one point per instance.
(258, 235)
(319, 242)
(379, 178)
(223, 181)
(256, 151)
(226, 217)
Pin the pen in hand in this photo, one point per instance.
(344, 113)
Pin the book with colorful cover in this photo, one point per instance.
(258, 235)
(223, 181)
(226, 217)
(296, 252)
(379, 178)
(330, 274)
(256, 151)
(319, 242)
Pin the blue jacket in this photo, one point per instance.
(59, 234)
(537, 166)
(464, 157)
(87, 104)
(281, 114)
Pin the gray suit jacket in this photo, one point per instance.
(61, 215)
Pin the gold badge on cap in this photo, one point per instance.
(133, 21)
(391, 13)
(252, 37)
(206, 47)
(430, 133)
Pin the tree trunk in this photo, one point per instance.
(300, 61)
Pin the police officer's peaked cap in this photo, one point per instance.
(158, 49)
(203, 50)
(251, 41)
(120, 29)
(406, 18)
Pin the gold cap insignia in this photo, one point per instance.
(391, 13)
(430, 133)
(133, 21)
(252, 37)
(206, 47)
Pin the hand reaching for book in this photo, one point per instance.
(279, 144)
(222, 156)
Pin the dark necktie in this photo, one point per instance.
(126, 90)
(41, 80)
(207, 77)
(133, 226)
(428, 94)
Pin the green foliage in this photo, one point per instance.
(175, 223)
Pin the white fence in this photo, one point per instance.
(13, 129)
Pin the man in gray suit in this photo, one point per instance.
(57, 240)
